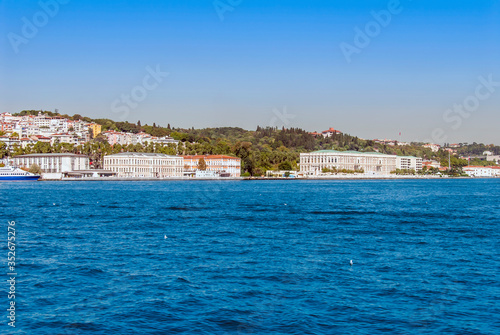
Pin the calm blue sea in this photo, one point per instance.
(260, 257)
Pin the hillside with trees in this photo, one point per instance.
(266, 148)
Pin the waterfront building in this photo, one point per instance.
(495, 171)
(370, 162)
(217, 163)
(53, 165)
(313, 163)
(87, 174)
(479, 171)
(408, 163)
(144, 165)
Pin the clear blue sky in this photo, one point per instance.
(261, 56)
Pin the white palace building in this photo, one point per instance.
(370, 162)
(144, 165)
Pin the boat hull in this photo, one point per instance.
(19, 178)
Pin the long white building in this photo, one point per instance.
(144, 165)
(53, 165)
(313, 163)
(482, 171)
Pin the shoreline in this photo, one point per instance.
(277, 178)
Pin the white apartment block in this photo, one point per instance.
(408, 163)
(144, 165)
(370, 162)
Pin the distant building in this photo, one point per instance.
(219, 163)
(495, 171)
(408, 163)
(144, 165)
(431, 164)
(433, 147)
(116, 137)
(10, 141)
(330, 132)
(96, 129)
(370, 162)
(492, 158)
(478, 171)
(313, 163)
(53, 165)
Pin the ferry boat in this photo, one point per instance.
(14, 173)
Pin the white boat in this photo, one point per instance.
(8, 173)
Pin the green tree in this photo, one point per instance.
(202, 165)
(3, 150)
(285, 166)
(35, 169)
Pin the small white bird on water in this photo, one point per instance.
(351, 262)
(165, 236)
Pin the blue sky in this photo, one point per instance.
(260, 63)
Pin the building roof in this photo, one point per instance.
(211, 157)
(331, 130)
(349, 152)
(141, 154)
(477, 167)
(52, 155)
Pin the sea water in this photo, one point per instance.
(254, 257)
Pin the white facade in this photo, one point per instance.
(370, 162)
(219, 163)
(478, 171)
(433, 147)
(10, 141)
(493, 158)
(144, 165)
(53, 163)
(409, 163)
